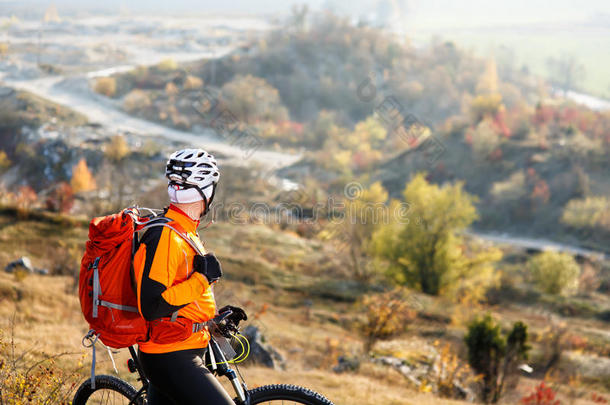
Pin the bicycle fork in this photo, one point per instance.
(218, 363)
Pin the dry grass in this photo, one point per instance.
(307, 329)
(370, 389)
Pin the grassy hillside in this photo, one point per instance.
(364, 107)
(280, 278)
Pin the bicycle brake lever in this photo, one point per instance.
(220, 317)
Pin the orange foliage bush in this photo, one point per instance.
(386, 315)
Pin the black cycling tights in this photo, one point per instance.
(181, 378)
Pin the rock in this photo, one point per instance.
(23, 262)
(345, 363)
(262, 353)
(42, 272)
(412, 374)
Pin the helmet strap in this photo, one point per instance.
(206, 201)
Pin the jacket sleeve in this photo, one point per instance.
(157, 296)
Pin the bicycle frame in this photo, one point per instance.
(218, 366)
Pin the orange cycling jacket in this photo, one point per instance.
(166, 281)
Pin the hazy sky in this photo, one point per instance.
(435, 12)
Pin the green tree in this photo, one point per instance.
(426, 249)
(554, 272)
(495, 357)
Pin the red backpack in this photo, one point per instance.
(105, 286)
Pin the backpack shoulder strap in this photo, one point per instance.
(174, 226)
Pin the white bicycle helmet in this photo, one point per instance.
(193, 175)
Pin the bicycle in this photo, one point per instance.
(112, 390)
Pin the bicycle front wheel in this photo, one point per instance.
(108, 390)
(286, 394)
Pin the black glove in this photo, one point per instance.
(209, 266)
(237, 314)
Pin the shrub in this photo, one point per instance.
(587, 213)
(192, 83)
(5, 162)
(485, 139)
(494, 356)
(105, 86)
(553, 342)
(61, 199)
(252, 99)
(117, 149)
(24, 200)
(542, 395)
(33, 382)
(450, 377)
(136, 100)
(386, 315)
(554, 272)
(167, 65)
(510, 191)
(171, 89)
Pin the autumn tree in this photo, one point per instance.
(117, 149)
(364, 212)
(251, 99)
(82, 180)
(428, 251)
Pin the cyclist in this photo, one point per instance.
(174, 289)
